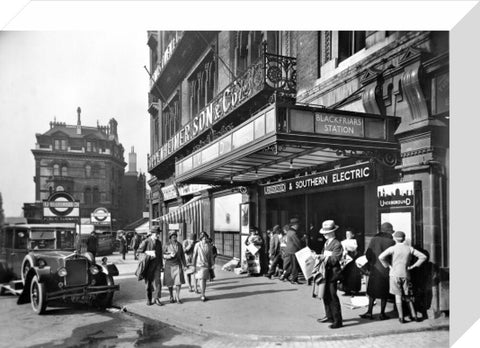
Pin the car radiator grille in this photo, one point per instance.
(76, 272)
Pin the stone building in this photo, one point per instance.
(253, 128)
(87, 162)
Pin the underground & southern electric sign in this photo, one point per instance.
(101, 216)
(61, 207)
(350, 174)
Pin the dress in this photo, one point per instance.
(352, 278)
(174, 262)
(203, 260)
(188, 247)
(378, 282)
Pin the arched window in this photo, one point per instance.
(64, 171)
(87, 196)
(56, 169)
(88, 170)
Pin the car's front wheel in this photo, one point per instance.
(38, 296)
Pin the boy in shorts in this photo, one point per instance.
(400, 285)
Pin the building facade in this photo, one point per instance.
(258, 127)
(87, 162)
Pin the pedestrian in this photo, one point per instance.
(315, 241)
(332, 253)
(294, 244)
(401, 256)
(253, 257)
(203, 261)
(214, 255)
(351, 275)
(283, 247)
(92, 244)
(274, 252)
(378, 282)
(174, 265)
(135, 243)
(151, 248)
(123, 248)
(188, 247)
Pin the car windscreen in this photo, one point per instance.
(42, 239)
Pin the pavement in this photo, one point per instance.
(259, 309)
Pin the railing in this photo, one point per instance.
(271, 73)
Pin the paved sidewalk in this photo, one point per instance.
(257, 308)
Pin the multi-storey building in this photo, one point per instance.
(253, 128)
(86, 162)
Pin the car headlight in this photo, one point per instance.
(62, 272)
(94, 270)
(41, 263)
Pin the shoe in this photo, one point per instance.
(149, 303)
(295, 282)
(191, 290)
(383, 316)
(172, 300)
(366, 316)
(335, 326)
(203, 298)
(401, 320)
(325, 320)
(282, 278)
(197, 291)
(179, 301)
(268, 276)
(157, 302)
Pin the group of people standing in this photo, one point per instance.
(191, 258)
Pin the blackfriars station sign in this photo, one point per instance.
(346, 175)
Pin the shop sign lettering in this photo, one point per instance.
(339, 125)
(230, 99)
(356, 173)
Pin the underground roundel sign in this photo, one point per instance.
(61, 206)
(100, 216)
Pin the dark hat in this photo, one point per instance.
(399, 235)
(155, 230)
(172, 233)
(328, 226)
(386, 227)
(294, 221)
(276, 229)
(203, 235)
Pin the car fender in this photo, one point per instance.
(110, 269)
(42, 274)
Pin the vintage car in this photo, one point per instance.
(51, 270)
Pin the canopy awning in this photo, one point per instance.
(188, 212)
(143, 228)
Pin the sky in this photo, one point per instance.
(46, 75)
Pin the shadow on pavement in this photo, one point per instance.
(243, 294)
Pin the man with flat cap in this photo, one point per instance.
(332, 252)
(151, 247)
(378, 281)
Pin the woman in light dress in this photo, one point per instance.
(174, 265)
(203, 262)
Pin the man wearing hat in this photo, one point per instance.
(294, 244)
(332, 252)
(151, 247)
(401, 256)
(274, 252)
(378, 283)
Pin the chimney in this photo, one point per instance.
(79, 123)
(113, 128)
(132, 162)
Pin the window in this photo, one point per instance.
(96, 195)
(202, 85)
(88, 170)
(21, 238)
(56, 169)
(64, 144)
(89, 146)
(349, 43)
(57, 144)
(64, 171)
(171, 119)
(247, 50)
(87, 196)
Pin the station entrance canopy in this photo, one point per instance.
(286, 138)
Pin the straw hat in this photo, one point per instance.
(328, 226)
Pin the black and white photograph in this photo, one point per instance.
(208, 174)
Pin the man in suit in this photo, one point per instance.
(332, 252)
(294, 244)
(152, 250)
